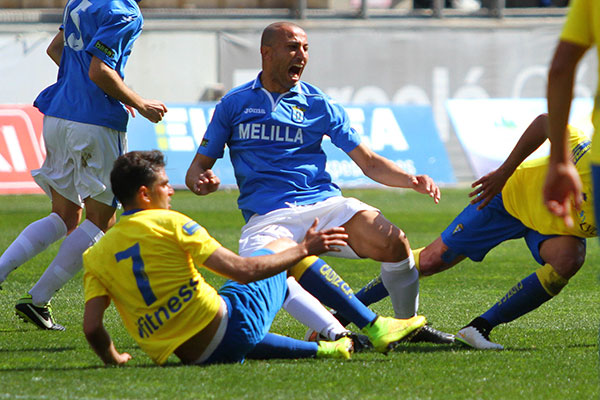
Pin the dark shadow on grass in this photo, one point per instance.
(20, 330)
(39, 349)
(556, 346)
(81, 368)
(428, 348)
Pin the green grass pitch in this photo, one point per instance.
(551, 353)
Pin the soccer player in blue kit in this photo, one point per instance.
(273, 127)
(85, 119)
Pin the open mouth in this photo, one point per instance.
(295, 71)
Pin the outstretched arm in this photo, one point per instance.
(384, 171)
(96, 334)
(562, 182)
(491, 184)
(245, 270)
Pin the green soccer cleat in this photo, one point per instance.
(39, 316)
(385, 333)
(341, 348)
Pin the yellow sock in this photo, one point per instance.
(551, 281)
(298, 270)
(417, 255)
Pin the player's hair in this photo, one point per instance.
(133, 170)
(270, 32)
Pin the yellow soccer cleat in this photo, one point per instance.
(341, 348)
(385, 333)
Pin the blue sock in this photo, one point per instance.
(277, 346)
(372, 292)
(325, 284)
(525, 296)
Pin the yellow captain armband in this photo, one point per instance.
(550, 279)
(298, 270)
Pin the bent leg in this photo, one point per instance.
(371, 235)
(564, 256)
(320, 280)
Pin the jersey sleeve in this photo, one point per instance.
(578, 27)
(217, 134)
(341, 133)
(195, 240)
(115, 35)
(92, 286)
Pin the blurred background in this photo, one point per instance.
(443, 87)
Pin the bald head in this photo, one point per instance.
(284, 52)
(272, 32)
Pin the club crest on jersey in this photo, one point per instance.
(297, 114)
(458, 228)
(190, 228)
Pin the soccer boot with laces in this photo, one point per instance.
(477, 335)
(341, 348)
(361, 342)
(39, 316)
(385, 333)
(431, 335)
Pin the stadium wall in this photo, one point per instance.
(386, 62)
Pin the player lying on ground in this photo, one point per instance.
(145, 264)
(508, 204)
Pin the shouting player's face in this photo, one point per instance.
(287, 58)
(161, 191)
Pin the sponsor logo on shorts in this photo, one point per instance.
(458, 229)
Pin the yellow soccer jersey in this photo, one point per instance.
(583, 28)
(522, 194)
(145, 264)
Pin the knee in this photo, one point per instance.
(568, 266)
(392, 248)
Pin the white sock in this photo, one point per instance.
(67, 262)
(401, 279)
(34, 239)
(309, 311)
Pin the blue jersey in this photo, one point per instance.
(275, 144)
(102, 28)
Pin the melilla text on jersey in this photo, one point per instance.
(151, 322)
(274, 133)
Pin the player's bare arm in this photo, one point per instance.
(111, 83)
(55, 48)
(245, 270)
(563, 184)
(200, 178)
(96, 334)
(489, 185)
(384, 171)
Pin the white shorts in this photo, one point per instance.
(293, 222)
(79, 158)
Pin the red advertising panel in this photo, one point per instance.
(21, 148)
